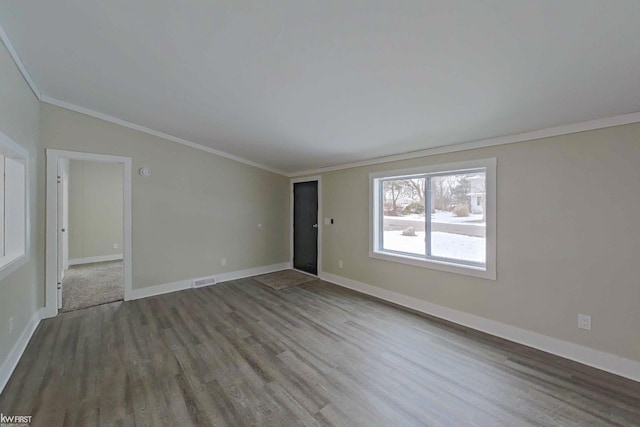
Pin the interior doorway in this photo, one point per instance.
(88, 230)
(90, 233)
(306, 225)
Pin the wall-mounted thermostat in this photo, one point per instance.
(145, 171)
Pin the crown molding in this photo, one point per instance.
(588, 125)
(144, 129)
(623, 119)
(4, 37)
(16, 59)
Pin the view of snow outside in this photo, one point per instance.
(445, 245)
(457, 219)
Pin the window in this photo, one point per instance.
(13, 205)
(440, 217)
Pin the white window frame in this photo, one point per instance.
(10, 262)
(488, 271)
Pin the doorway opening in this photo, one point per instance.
(88, 230)
(90, 236)
(306, 227)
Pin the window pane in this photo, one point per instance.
(403, 221)
(2, 238)
(458, 217)
(14, 202)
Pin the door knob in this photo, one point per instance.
(315, 225)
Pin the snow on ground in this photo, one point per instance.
(441, 216)
(446, 245)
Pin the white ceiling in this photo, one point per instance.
(303, 84)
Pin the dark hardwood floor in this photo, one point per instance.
(240, 353)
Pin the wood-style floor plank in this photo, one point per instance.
(240, 353)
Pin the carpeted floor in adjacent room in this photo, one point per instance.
(92, 284)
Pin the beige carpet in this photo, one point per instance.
(92, 284)
(284, 279)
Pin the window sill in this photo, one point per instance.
(467, 270)
(9, 264)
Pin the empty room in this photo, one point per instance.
(336, 213)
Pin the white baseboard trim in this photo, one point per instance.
(241, 274)
(605, 361)
(12, 359)
(89, 260)
(166, 288)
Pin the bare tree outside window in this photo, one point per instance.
(454, 228)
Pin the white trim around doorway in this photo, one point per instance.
(318, 179)
(51, 246)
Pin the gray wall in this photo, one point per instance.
(567, 239)
(22, 293)
(193, 210)
(95, 209)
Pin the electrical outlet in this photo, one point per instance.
(115, 246)
(259, 225)
(223, 261)
(340, 264)
(10, 325)
(584, 322)
(327, 221)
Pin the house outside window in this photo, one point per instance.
(438, 216)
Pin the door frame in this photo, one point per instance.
(65, 212)
(51, 235)
(293, 181)
(63, 208)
